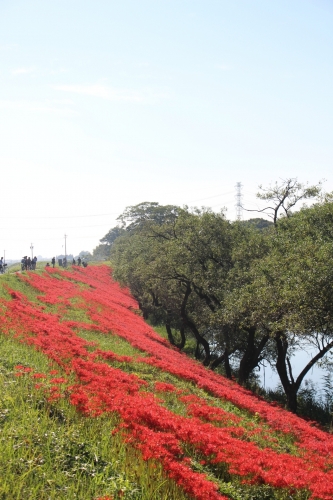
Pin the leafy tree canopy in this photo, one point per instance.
(136, 216)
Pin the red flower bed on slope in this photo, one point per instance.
(140, 335)
(157, 431)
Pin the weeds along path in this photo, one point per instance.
(205, 431)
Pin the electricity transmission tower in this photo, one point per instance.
(239, 196)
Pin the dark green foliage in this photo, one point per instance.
(138, 216)
(235, 294)
(111, 236)
(258, 223)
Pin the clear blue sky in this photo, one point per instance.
(104, 104)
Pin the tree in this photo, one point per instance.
(112, 235)
(151, 260)
(284, 196)
(244, 293)
(258, 223)
(252, 341)
(141, 215)
(179, 269)
(101, 252)
(84, 254)
(292, 291)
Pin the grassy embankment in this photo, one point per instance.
(50, 450)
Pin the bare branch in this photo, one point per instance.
(285, 196)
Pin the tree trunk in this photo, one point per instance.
(282, 366)
(218, 361)
(182, 338)
(168, 321)
(224, 358)
(169, 332)
(171, 338)
(200, 340)
(144, 311)
(284, 369)
(291, 395)
(251, 357)
(227, 364)
(197, 354)
(189, 323)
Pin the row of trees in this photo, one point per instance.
(243, 292)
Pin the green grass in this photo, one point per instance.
(50, 451)
(13, 281)
(151, 374)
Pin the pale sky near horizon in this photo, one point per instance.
(105, 104)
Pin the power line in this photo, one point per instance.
(57, 238)
(53, 228)
(93, 215)
(106, 224)
(209, 197)
(54, 216)
(90, 215)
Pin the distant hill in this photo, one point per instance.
(258, 223)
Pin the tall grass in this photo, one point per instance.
(50, 451)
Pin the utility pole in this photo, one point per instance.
(239, 196)
(65, 251)
(32, 251)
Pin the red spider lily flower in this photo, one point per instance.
(218, 436)
(59, 380)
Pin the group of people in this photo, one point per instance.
(79, 262)
(63, 262)
(28, 263)
(2, 266)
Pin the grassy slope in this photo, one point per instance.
(48, 450)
